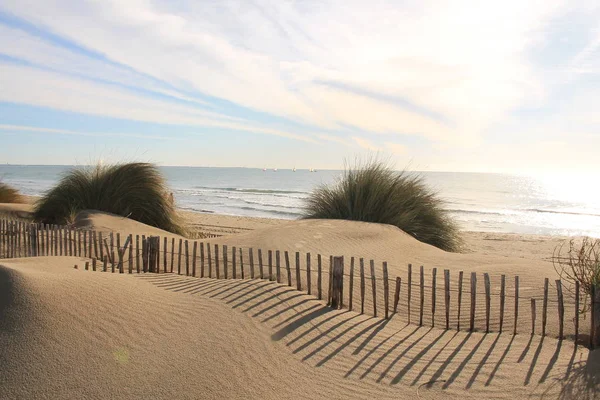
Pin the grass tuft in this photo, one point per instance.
(374, 192)
(133, 190)
(9, 194)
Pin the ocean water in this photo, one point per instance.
(478, 201)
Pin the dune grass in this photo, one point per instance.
(374, 192)
(133, 190)
(9, 194)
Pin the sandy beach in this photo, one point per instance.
(102, 335)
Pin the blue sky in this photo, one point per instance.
(506, 86)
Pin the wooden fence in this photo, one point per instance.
(471, 302)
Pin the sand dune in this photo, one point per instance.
(69, 333)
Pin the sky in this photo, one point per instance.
(485, 86)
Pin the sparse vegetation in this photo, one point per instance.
(9, 194)
(374, 192)
(134, 190)
(578, 260)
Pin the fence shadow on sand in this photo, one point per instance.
(394, 352)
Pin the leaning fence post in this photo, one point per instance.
(397, 294)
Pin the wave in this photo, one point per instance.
(278, 212)
(257, 191)
(517, 212)
(562, 212)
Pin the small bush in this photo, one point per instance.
(578, 260)
(133, 190)
(373, 192)
(9, 194)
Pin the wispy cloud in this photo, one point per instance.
(356, 74)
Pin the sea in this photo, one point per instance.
(477, 201)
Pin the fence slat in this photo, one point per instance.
(545, 307)
(577, 294)
(337, 279)
(217, 269)
(187, 258)
(270, 260)
(561, 309)
(179, 254)
(374, 288)
(330, 280)
(422, 293)
(351, 284)
(278, 266)
(533, 316)
(194, 254)
(225, 260)
(260, 264)
(502, 300)
(165, 252)
(287, 267)
(397, 294)
(130, 253)
(319, 277)
(308, 274)
(473, 300)
(172, 254)
(516, 323)
(233, 262)
(298, 278)
(242, 262)
(459, 305)
(486, 282)
(433, 294)
(362, 286)
(386, 290)
(409, 291)
(137, 252)
(447, 296)
(251, 256)
(209, 260)
(201, 259)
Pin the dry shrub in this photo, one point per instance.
(578, 260)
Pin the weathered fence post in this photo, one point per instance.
(577, 289)
(351, 284)
(337, 282)
(533, 316)
(260, 264)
